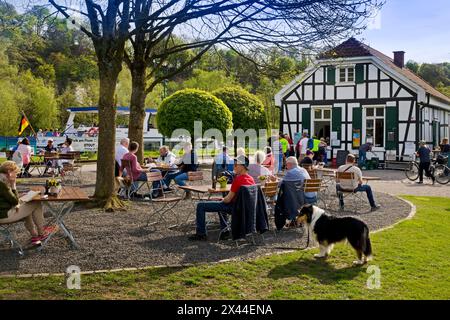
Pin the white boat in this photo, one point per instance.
(85, 137)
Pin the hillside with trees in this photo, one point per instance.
(55, 67)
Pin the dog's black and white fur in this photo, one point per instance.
(328, 230)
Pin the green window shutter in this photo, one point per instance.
(359, 73)
(336, 121)
(435, 133)
(357, 118)
(391, 128)
(331, 75)
(357, 128)
(306, 120)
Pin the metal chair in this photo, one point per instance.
(358, 197)
(315, 185)
(160, 206)
(133, 186)
(69, 171)
(7, 234)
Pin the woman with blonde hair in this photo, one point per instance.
(12, 210)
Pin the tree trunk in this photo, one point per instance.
(137, 109)
(105, 182)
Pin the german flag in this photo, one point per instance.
(23, 124)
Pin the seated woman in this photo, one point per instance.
(189, 162)
(134, 170)
(255, 170)
(26, 152)
(269, 161)
(11, 210)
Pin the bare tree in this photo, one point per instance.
(109, 31)
(236, 24)
(151, 27)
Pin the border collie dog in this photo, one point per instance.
(328, 230)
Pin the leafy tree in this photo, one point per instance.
(207, 80)
(413, 66)
(181, 109)
(432, 73)
(247, 109)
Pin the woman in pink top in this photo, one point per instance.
(269, 162)
(26, 152)
(135, 170)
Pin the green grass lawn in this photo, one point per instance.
(413, 258)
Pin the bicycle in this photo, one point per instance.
(438, 170)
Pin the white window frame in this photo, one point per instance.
(374, 117)
(338, 74)
(313, 116)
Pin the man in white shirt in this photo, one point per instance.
(302, 146)
(355, 185)
(121, 150)
(167, 157)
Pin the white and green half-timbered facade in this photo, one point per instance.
(354, 94)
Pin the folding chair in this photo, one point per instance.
(53, 164)
(270, 190)
(161, 206)
(70, 173)
(134, 186)
(228, 222)
(315, 185)
(7, 234)
(358, 197)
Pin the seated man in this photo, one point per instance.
(51, 163)
(121, 150)
(296, 173)
(166, 157)
(188, 163)
(242, 178)
(355, 185)
(223, 161)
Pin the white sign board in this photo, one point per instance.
(410, 148)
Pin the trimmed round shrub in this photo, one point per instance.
(248, 111)
(180, 110)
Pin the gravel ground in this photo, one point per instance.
(120, 239)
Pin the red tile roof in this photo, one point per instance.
(355, 48)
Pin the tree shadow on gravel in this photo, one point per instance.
(320, 269)
(200, 251)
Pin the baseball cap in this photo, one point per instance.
(243, 160)
(50, 140)
(309, 152)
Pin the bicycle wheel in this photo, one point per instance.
(441, 174)
(412, 172)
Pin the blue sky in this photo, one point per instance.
(421, 28)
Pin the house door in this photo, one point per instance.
(322, 123)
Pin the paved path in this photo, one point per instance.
(393, 182)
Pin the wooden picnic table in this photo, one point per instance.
(206, 189)
(371, 178)
(68, 196)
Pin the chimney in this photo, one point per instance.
(399, 58)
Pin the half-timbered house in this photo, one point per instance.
(353, 94)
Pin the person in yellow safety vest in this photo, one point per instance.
(315, 149)
(284, 147)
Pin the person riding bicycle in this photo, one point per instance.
(424, 154)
